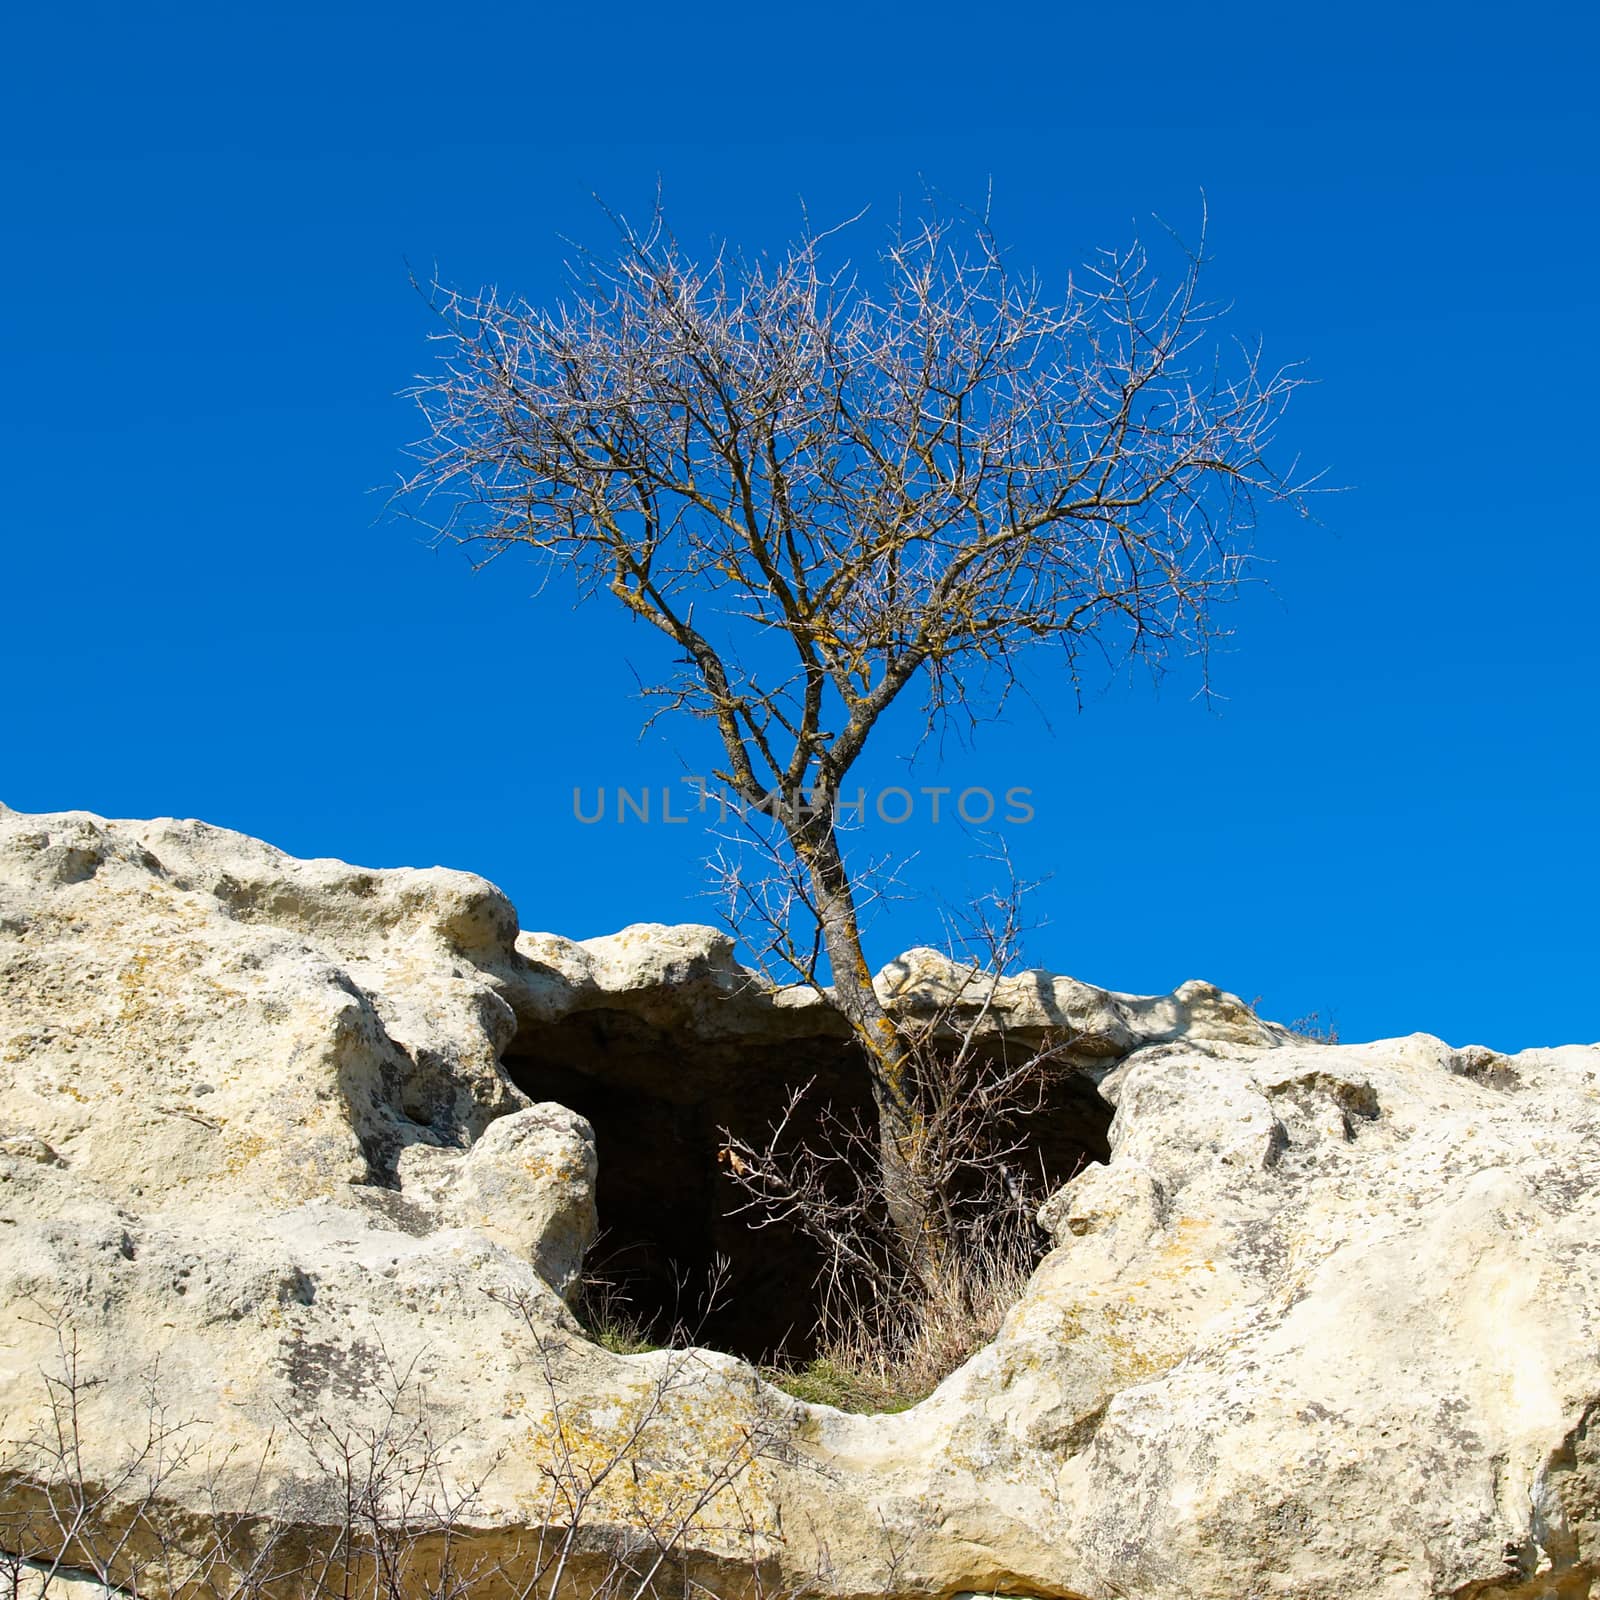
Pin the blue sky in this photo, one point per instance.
(207, 320)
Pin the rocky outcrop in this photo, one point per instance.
(280, 1152)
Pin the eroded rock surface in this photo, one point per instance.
(1326, 1323)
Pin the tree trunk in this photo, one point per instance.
(889, 1060)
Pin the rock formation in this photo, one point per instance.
(286, 1145)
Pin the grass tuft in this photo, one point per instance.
(941, 1327)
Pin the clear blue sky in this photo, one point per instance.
(206, 319)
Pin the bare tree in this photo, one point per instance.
(896, 1314)
(830, 489)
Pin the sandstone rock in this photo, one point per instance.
(1325, 1325)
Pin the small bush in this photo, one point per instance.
(163, 1520)
(1314, 1030)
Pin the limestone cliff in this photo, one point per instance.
(280, 1139)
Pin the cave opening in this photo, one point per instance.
(659, 1100)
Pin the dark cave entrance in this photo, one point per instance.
(658, 1100)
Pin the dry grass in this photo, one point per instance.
(1314, 1030)
(866, 1365)
(609, 1319)
(872, 1359)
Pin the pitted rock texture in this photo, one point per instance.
(1325, 1325)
